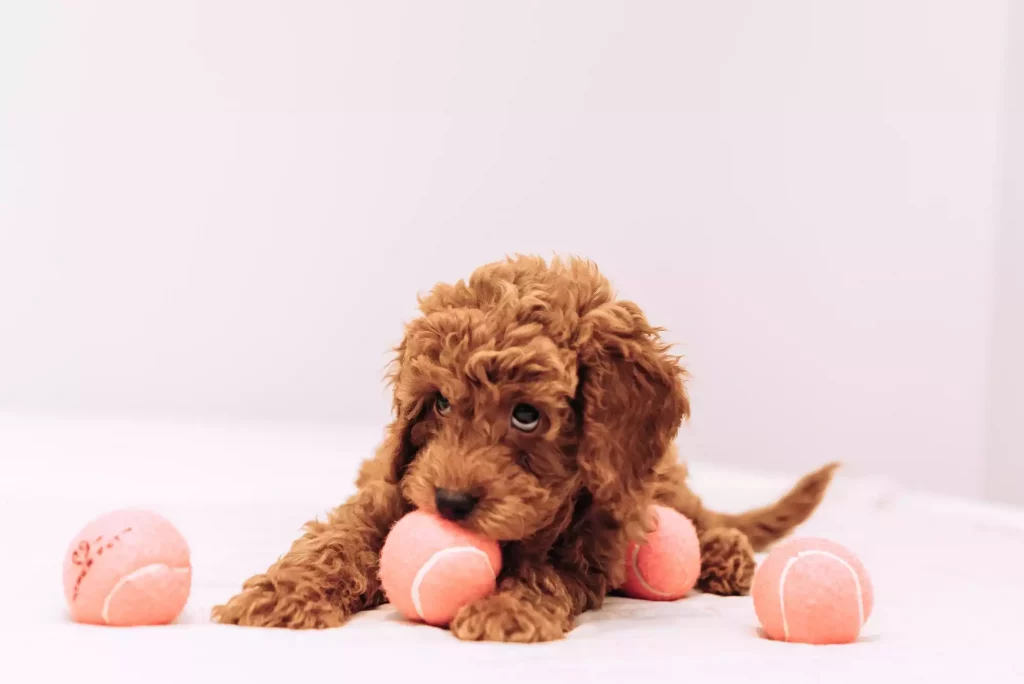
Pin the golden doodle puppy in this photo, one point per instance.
(534, 407)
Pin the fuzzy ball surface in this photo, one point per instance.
(127, 567)
(812, 591)
(666, 566)
(431, 567)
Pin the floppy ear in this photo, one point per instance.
(631, 400)
(395, 453)
(401, 442)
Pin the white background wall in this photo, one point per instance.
(226, 209)
(1004, 457)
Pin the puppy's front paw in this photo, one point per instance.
(261, 604)
(501, 617)
(726, 562)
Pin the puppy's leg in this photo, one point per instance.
(726, 562)
(328, 574)
(536, 603)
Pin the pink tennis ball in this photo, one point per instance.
(666, 566)
(812, 591)
(128, 567)
(431, 567)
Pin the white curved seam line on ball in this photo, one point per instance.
(792, 561)
(130, 577)
(429, 565)
(634, 561)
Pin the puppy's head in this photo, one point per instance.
(522, 388)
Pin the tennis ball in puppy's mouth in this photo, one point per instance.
(127, 567)
(431, 567)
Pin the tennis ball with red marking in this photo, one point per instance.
(431, 567)
(812, 591)
(127, 567)
(665, 567)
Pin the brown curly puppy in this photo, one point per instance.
(533, 407)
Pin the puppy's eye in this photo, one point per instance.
(442, 405)
(525, 418)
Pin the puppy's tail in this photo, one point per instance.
(771, 523)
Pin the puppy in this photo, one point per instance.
(534, 407)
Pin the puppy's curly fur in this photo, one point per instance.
(563, 498)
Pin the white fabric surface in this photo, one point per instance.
(948, 576)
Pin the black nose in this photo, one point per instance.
(454, 505)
